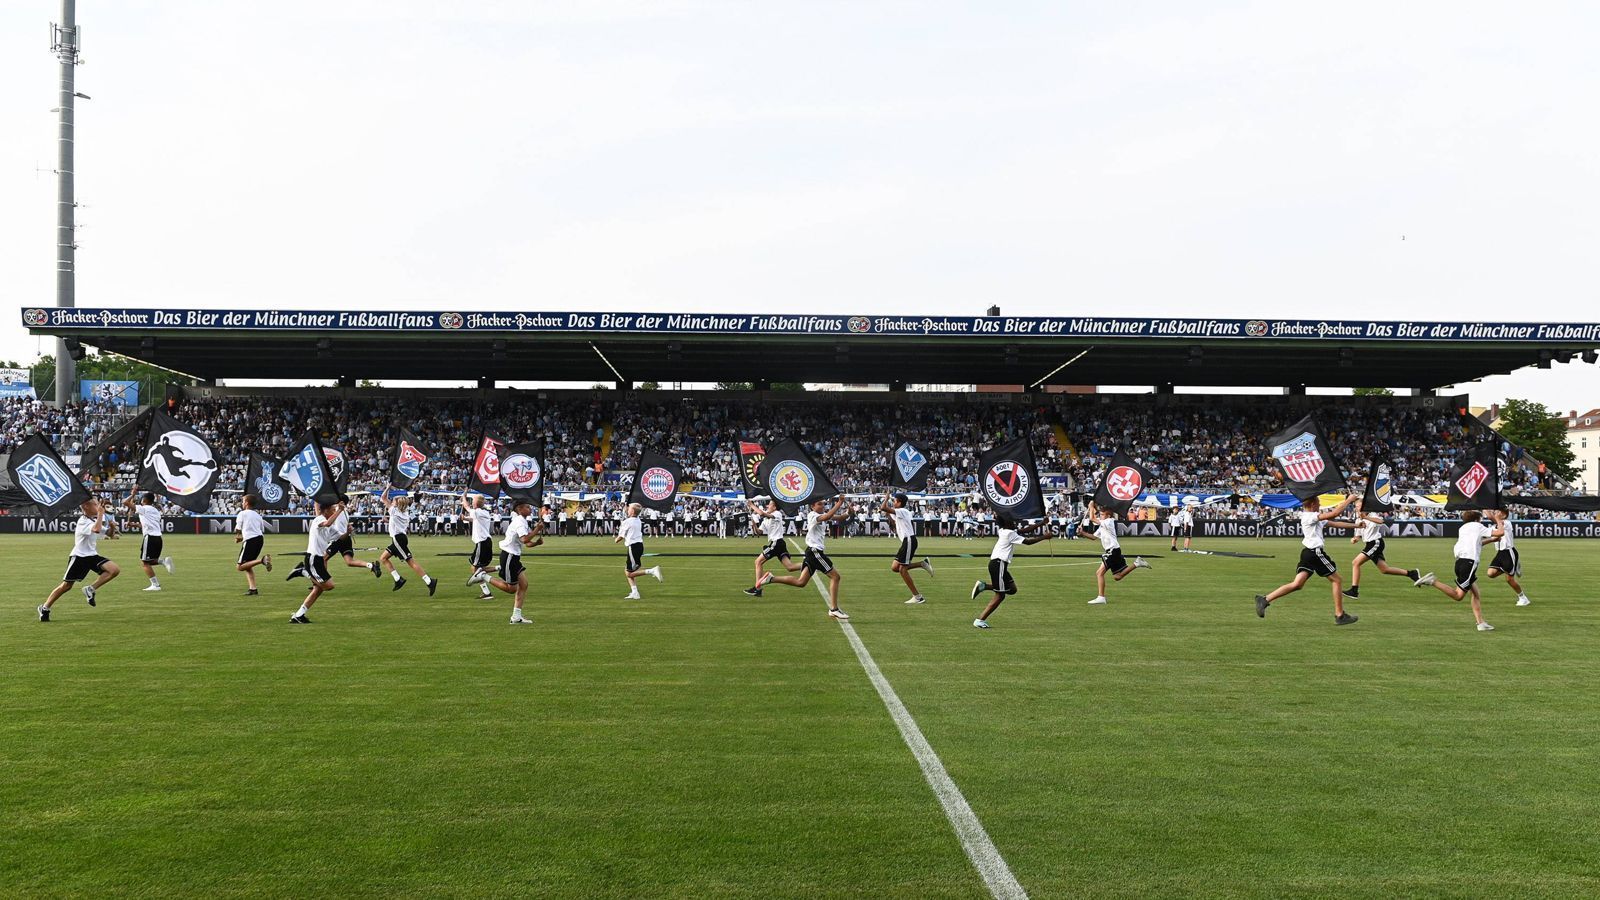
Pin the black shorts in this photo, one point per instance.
(778, 549)
(482, 554)
(1000, 580)
(342, 546)
(817, 561)
(251, 549)
(1373, 550)
(400, 547)
(1113, 560)
(150, 548)
(1316, 561)
(908, 551)
(80, 566)
(1466, 573)
(510, 567)
(1508, 561)
(1183, 530)
(317, 569)
(635, 556)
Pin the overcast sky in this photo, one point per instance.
(1199, 159)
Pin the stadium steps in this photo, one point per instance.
(1064, 442)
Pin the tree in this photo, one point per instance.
(650, 386)
(1372, 392)
(1543, 434)
(735, 386)
(109, 367)
(369, 383)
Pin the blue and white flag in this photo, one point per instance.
(43, 475)
(908, 470)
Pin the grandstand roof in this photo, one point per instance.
(706, 347)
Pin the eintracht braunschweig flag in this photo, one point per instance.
(792, 477)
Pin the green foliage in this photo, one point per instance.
(107, 367)
(1536, 429)
(650, 386)
(1372, 392)
(369, 383)
(735, 386)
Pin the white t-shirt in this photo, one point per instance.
(341, 526)
(631, 530)
(149, 519)
(772, 526)
(903, 526)
(1506, 541)
(85, 540)
(399, 521)
(1370, 530)
(1005, 544)
(816, 531)
(321, 536)
(1470, 540)
(1181, 518)
(480, 525)
(516, 528)
(249, 524)
(1310, 529)
(1106, 531)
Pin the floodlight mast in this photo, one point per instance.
(64, 44)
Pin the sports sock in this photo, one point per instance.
(396, 574)
(302, 610)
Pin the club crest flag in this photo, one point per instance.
(178, 464)
(655, 482)
(1125, 478)
(263, 480)
(336, 465)
(1305, 461)
(750, 456)
(1380, 494)
(1475, 478)
(908, 469)
(522, 471)
(485, 475)
(407, 459)
(792, 477)
(1008, 479)
(40, 473)
(307, 472)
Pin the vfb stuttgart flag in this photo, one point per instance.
(908, 470)
(751, 454)
(655, 482)
(793, 478)
(178, 464)
(1301, 456)
(407, 459)
(1008, 478)
(1125, 478)
(485, 475)
(1475, 478)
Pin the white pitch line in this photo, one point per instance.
(975, 841)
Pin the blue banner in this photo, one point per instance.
(117, 393)
(15, 383)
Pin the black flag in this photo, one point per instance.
(1009, 480)
(750, 456)
(522, 471)
(262, 480)
(406, 461)
(655, 482)
(178, 464)
(1474, 479)
(306, 470)
(792, 477)
(41, 474)
(1380, 494)
(1124, 480)
(1300, 455)
(485, 475)
(336, 465)
(908, 470)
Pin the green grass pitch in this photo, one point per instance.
(700, 743)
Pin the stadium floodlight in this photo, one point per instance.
(1563, 356)
(1590, 356)
(994, 312)
(1545, 356)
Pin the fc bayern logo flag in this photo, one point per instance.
(1008, 478)
(1380, 493)
(522, 471)
(751, 454)
(1474, 479)
(307, 471)
(485, 475)
(1301, 456)
(792, 477)
(1124, 479)
(407, 459)
(40, 473)
(178, 464)
(908, 469)
(655, 482)
(263, 480)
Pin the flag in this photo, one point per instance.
(485, 475)
(263, 480)
(792, 477)
(1008, 478)
(336, 465)
(178, 464)
(655, 482)
(1124, 480)
(41, 473)
(750, 456)
(1305, 462)
(1474, 479)
(307, 471)
(909, 468)
(521, 470)
(1380, 495)
(405, 463)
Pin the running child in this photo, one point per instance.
(1469, 543)
(1111, 559)
(894, 505)
(149, 515)
(816, 560)
(344, 542)
(1314, 559)
(631, 533)
(1000, 581)
(1369, 531)
(513, 578)
(1507, 561)
(771, 524)
(85, 558)
(400, 544)
(249, 530)
(322, 532)
(480, 524)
